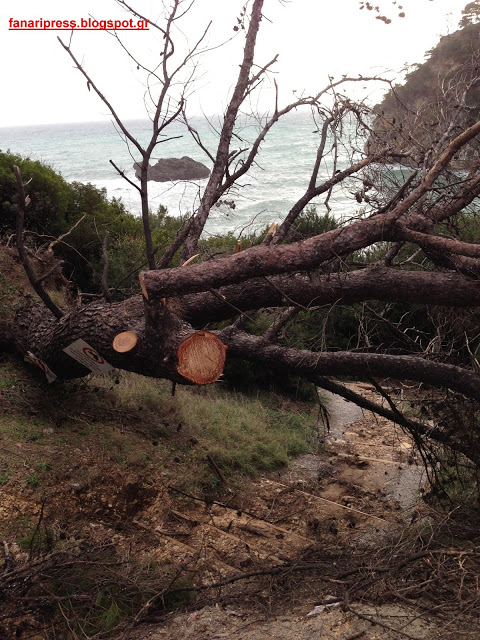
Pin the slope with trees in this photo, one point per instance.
(438, 99)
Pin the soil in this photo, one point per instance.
(352, 495)
(334, 508)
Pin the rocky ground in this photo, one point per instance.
(338, 545)
(353, 496)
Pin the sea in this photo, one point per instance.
(82, 152)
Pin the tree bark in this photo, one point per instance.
(360, 366)
(385, 284)
(166, 346)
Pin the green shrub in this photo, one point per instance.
(50, 194)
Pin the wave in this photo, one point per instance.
(81, 152)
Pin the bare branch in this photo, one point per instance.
(361, 365)
(272, 333)
(122, 173)
(37, 286)
(64, 235)
(106, 291)
(221, 159)
(92, 84)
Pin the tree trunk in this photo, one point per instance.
(164, 347)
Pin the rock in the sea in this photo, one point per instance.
(171, 169)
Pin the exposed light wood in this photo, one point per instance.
(273, 229)
(142, 286)
(125, 341)
(201, 358)
(190, 260)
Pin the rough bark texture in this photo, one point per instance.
(361, 366)
(160, 334)
(310, 290)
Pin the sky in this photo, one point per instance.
(313, 38)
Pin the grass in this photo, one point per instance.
(71, 452)
(8, 378)
(130, 424)
(7, 290)
(242, 434)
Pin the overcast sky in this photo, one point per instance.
(312, 37)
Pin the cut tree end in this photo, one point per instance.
(125, 341)
(201, 358)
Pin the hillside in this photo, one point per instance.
(438, 99)
(122, 504)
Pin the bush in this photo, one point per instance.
(50, 194)
(56, 206)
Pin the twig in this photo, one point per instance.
(376, 621)
(50, 272)
(64, 235)
(37, 286)
(216, 468)
(37, 529)
(122, 173)
(106, 291)
(8, 557)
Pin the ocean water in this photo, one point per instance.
(82, 151)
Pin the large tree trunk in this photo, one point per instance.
(164, 345)
(147, 337)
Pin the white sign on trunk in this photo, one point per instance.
(88, 356)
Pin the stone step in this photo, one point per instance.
(306, 514)
(233, 550)
(197, 562)
(264, 535)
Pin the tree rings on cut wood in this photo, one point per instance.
(125, 341)
(201, 358)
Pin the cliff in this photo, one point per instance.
(438, 99)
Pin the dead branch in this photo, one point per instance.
(221, 160)
(275, 328)
(362, 365)
(37, 286)
(122, 173)
(106, 291)
(64, 235)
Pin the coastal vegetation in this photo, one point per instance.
(387, 296)
(438, 98)
(311, 298)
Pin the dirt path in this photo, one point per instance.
(354, 493)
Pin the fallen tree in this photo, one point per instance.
(409, 226)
